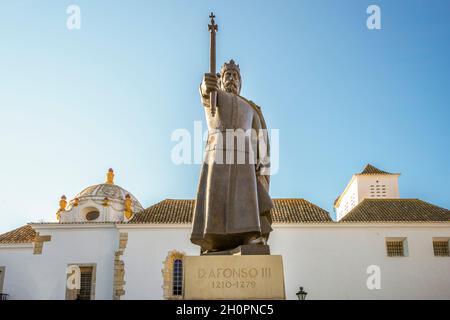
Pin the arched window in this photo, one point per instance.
(173, 275)
(177, 279)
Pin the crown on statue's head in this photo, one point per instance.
(230, 66)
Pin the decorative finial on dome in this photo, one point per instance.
(76, 202)
(110, 176)
(127, 207)
(127, 211)
(62, 206)
(105, 202)
(63, 203)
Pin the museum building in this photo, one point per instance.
(382, 246)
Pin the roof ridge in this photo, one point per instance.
(288, 210)
(194, 199)
(393, 199)
(396, 209)
(289, 199)
(371, 169)
(23, 234)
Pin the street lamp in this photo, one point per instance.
(301, 294)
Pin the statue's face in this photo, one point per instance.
(231, 81)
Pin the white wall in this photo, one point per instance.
(329, 260)
(43, 276)
(146, 251)
(19, 280)
(346, 203)
(365, 181)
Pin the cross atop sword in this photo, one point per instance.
(212, 28)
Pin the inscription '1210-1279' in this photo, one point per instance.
(234, 277)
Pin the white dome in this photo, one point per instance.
(114, 193)
(105, 202)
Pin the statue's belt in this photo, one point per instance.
(220, 129)
(215, 147)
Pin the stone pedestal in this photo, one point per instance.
(233, 277)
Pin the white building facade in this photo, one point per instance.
(383, 247)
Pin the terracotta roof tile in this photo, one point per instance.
(396, 210)
(370, 169)
(174, 211)
(298, 211)
(168, 211)
(23, 234)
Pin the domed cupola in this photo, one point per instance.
(105, 202)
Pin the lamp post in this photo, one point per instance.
(301, 294)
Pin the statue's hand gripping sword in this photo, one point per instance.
(212, 28)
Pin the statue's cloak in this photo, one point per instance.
(233, 202)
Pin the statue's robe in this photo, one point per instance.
(233, 203)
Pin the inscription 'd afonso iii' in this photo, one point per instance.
(234, 277)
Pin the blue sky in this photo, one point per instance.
(74, 103)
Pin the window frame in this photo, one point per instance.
(403, 240)
(72, 294)
(2, 277)
(177, 277)
(441, 239)
(168, 275)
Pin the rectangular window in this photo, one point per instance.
(85, 283)
(440, 248)
(82, 282)
(2, 278)
(396, 247)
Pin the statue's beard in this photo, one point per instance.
(231, 87)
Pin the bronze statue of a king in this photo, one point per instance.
(233, 205)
